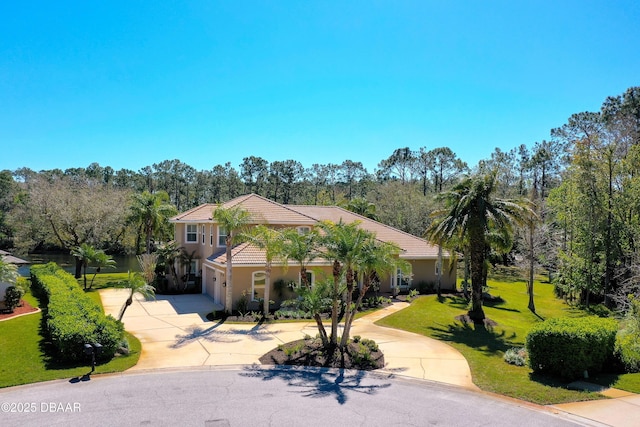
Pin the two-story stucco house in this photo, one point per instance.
(196, 230)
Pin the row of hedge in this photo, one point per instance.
(72, 318)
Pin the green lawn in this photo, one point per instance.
(24, 362)
(484, 348)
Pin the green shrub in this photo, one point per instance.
(567, 347)
(627, 347)
(73, 318)
(12, 297)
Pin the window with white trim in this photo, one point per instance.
(211, 235)
(310, 278)
(259, 279)
(203, 233)
(222, 236)
(192, 233)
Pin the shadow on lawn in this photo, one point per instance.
(478, 336)
(319, 382)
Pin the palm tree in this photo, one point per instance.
(361, 206)
(315, 300)
(474, 216)
(151, 213)
(137, 285)
(167, 255)
(186, 258)
(342, 244)
(375, 260)
(302, 248)
(85, 254)
(271, 241)
(234, 220)
(100, 261)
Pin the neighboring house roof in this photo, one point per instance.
(8, 258)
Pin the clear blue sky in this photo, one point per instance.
(131, 83)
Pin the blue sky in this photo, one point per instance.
(131, 83)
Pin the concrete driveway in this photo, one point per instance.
(175, 333)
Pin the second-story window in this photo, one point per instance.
(211, 235)
(203, 234)
(192, 233)
(222, 236)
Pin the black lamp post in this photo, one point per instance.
(93, 349)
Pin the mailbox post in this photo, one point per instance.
(93, 350)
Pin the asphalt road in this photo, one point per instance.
(261, 396)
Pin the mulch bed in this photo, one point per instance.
(311, 353)
(25, 308)
(465, 319)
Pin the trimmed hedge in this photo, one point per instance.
(566, 347)
(72, 318)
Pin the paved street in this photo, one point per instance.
(258, 396)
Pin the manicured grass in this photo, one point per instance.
(484, 347)
(25, 362)
(103, 280)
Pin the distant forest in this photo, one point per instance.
(583, 182)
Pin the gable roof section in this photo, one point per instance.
(414, 247)
(198, 214)
(262, 210)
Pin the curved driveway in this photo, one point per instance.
(175, 333)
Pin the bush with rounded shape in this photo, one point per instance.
(567, 347)
(12, 297)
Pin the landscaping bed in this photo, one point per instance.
(359, 354)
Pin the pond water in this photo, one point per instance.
(124, 263)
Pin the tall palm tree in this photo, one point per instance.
(85, 254)
(473, 215)
(151, 213)
(342, 244)
(100, 261)
(234, 220)
(271, 241)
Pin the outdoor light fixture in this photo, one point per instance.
(93, 350)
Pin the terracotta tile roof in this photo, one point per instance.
(267, 211)
(243, 254)
(202, 213)
(262, 210)
(414, 247)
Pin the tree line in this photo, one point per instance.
(582, 184)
